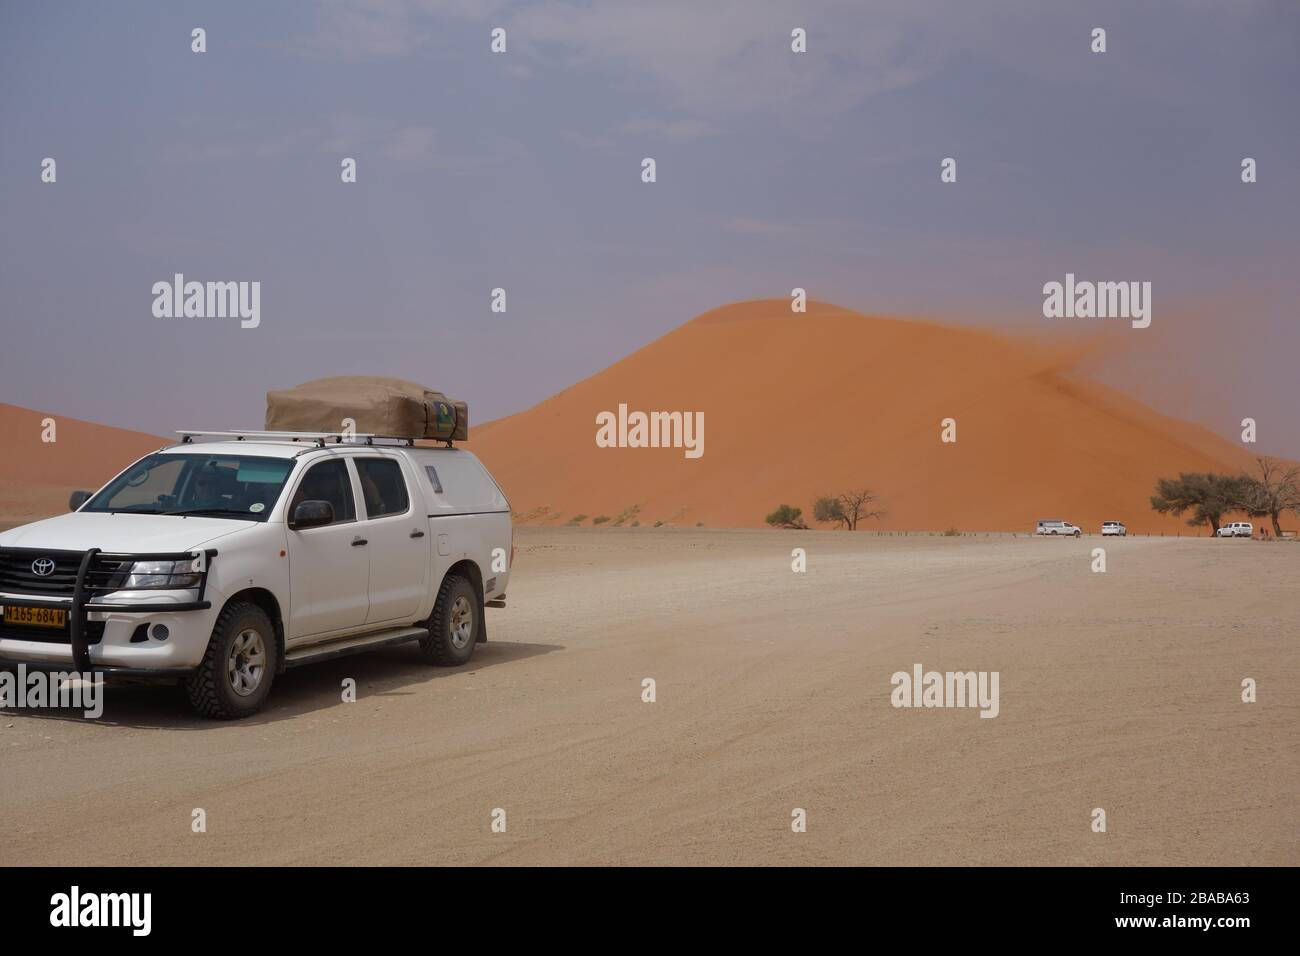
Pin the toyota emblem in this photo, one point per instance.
(43, 567)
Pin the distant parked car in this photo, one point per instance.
(1114, 527)
(1237, 529)
(1057, 527)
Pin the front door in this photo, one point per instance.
(329, 567)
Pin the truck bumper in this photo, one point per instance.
(123, 636)
(123, 641)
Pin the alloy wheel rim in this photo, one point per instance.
(247, 663)
(462, 622)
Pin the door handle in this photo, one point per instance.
(358, 542)
(417, 534)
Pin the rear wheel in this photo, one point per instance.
(455, 625)
(235, 676)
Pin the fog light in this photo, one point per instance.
(160, 632)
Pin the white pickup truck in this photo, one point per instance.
(1237, 529)
(1055, 526)
(222, 563)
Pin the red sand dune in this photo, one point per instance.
(795, 406)
(36, 477)
(801, 405)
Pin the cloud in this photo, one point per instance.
(674, 129)
(362, 30)
(732, 56)
(239, 143)
(341, 134)
(383, 29)
(679, 129)
(410, 144)
(762, 228)
(587, 140)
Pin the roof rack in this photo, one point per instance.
(320, 438)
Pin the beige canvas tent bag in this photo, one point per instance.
(390, 407)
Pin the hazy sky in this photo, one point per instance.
(522, 170)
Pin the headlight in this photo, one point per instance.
(161, 575)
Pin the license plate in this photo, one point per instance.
(36, 616)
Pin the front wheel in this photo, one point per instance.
(235, 676)
(455, 625)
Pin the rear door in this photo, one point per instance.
(328, 567)
(397, 529)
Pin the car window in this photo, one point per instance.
(382, 487)
(433, 478)
(143, 485)
(237, 486)
(327, 481)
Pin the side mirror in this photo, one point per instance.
(77, 499)
(312, 514)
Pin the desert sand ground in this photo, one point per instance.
(1118, 690)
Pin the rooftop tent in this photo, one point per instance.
(390, 407)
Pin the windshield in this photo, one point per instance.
(222, 486)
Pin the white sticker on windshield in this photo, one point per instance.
(256, 507)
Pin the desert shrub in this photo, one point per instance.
(951, 533)
(785, 516)
(600, 519)
(659, 523)
(631, 511)
(577, 519)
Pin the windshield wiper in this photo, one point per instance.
(206, 511)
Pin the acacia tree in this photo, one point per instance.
(846, 509)
(786, 516)
(827, 509)
(1276, 489)
(1208, 496)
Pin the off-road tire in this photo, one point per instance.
(452, 634)
(210, 689)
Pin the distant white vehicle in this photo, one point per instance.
(1114, 527)
(1237, 529)
(1055, 526)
